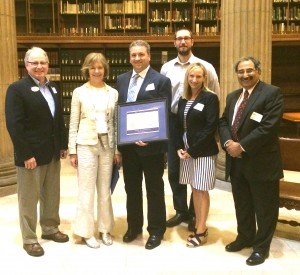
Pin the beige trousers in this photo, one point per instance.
(94, 171)
(42, 185)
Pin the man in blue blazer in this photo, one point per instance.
(142, 84)
(249, 134)
(35, 123)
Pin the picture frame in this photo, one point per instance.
(145, 121)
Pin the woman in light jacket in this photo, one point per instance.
(92, 149)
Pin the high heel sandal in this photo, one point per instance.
(106, 238)
(195, 240)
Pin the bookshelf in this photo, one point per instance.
(286, 16)
(207, 17)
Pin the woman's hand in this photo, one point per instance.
(74, 160)
(118, 159)
(183, 154)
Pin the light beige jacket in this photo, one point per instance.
(82, 128)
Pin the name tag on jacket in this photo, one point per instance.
(256, 116)
(199, 106)
(150, 87)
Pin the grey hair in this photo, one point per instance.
(35, 50)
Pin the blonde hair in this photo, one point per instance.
(92, 58)
(187, 92)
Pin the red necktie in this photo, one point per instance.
(238, 116)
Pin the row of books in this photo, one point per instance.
(127, 7)
(120, 23)
(207, 30)
(282, 13)
(66, 105)
(71, 74)
(92, 7)
(206, 1)
(282, 28)
(83, 31)
(208, 13)
(164, 15)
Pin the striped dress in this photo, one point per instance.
(200, 173)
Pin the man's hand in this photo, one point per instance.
(63, 154)
(30, 163)
(233, 148)
(141, 143)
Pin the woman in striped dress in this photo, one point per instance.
(198, 114)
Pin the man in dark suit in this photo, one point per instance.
(248, 132)
(35, 124)
(142, 84)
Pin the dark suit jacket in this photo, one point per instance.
(201, 125)
(162, 89)
(261, 159)
(33, 130)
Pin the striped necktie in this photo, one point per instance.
(132, 90)
(238, 116)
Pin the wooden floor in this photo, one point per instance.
(171, 257)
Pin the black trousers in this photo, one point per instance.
(179, 190)
(256, 204)
(152, 167)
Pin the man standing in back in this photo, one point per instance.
(175, 70)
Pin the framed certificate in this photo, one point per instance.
(144, 120)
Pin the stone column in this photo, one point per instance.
(246, 29)
(8, 74)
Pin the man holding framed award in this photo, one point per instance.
(144, 156)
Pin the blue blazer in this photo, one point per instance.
(201, 125)
(33, 130)
(162, 89)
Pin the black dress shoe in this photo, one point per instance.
(153, 241)
(176, 220)
(236, 246)
(130, 235)
(257, 258)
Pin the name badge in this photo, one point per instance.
(256, 116)
(150, 87)
(199, 106)
(54, 90)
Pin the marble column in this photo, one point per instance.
(8, 74)
(246, 29)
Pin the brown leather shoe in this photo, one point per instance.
(33, 249)
(58, 237)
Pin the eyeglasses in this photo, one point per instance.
(247, 71)
(186, 38)
(36, 63)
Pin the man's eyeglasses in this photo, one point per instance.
(186, 38)
(36, 63)
(247, 71)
